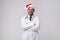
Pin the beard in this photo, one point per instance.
(30, 14)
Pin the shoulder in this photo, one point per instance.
(36, 17)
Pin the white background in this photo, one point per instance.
(11, 12)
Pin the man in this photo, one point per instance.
(30, 24)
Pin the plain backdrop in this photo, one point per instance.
(11, 12)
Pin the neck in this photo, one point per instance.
(30, 15)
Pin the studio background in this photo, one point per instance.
(11, 12)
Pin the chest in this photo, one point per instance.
(27, 20)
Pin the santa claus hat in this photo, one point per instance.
(29, 5)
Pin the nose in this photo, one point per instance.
(31, 10)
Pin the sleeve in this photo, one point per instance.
(36, 25)
(26, 26)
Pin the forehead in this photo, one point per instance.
(30, 8)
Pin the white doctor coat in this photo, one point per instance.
(30, 27)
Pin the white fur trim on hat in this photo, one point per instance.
(29, 6)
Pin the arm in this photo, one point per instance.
(36, 25)
(26, 26)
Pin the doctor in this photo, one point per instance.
(30, 24)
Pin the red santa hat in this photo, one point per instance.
(29, 5)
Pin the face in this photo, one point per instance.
(30, 11)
